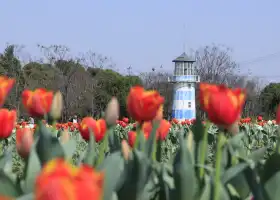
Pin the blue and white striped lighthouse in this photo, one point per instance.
(184, 80)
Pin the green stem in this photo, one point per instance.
(103, 148)
(218, 167)
(204, 150)
(154, 157)
(138, 131)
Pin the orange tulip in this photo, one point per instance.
(37, 102)
(6, 85)
(8, 121)
(60, 180)
(24, 141)
(132, 137)
(222, 104)
(161, 132)
(98, 128)
(143, 105)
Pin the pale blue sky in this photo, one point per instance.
(145, 33)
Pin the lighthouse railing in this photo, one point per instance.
(185, 78)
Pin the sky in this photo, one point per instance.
(147, 34)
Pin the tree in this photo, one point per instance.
(269, 99)
(11, 67)
(214, 64)
(158, 80)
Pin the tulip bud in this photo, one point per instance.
(190, 141)
(125, 149)
(57, 105)
(24, 145)
(112, 111)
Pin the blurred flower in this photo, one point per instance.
(259, 118)
(143, 105)
(161, 132)
(97, 127)
(8, 119)
(57, 106)
(6, 85)
(37, 102)
(125, 119)
(60, 180)
(132, 137)
(223, 105)
(112, 111)
(24, 141)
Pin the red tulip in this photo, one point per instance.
(97, 127)
(8, 121)
(143, 105)
(37, 102)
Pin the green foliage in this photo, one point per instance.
(244, 165)
(270, 98)
(86, 90)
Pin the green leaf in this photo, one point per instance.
(140, 145)
(113, 166)
(151, 142)
(159, 154)
(137, 172)
(26, 197)
(184, 173)
(32, 169)
(90, 156)
(258, 154)
(235, 176)
(7, 187)
(233, 171)
(5, 158)
(69, 148)
(236, 141)
(198, 130)
(272, 187)
(48, 147)
(223, 193)
(271, 167)
(206, 192)
(255, 186)
(114, 140)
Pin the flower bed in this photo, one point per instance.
(106, 159)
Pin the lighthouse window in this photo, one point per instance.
(189, 104)
(179, 69)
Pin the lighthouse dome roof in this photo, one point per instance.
(184, 58)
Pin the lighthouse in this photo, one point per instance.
(184, 80)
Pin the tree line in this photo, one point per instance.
(89, 81)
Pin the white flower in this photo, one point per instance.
(269, 122)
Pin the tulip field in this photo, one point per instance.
(257, 134)
(148, 158)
